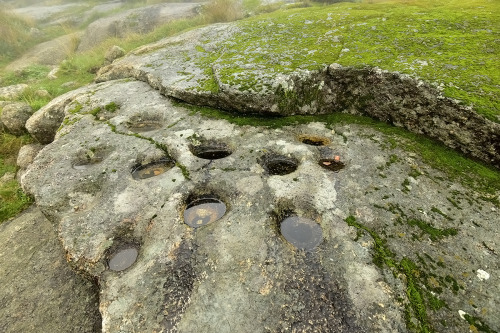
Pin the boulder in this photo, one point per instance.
(43, 124)
(14, 117)
(27, 155)
(383, 228)
(69, 84)
(12, 92)
(47, 53)
(2, 104)
(138, 20)
(113, 53)
(42, 93)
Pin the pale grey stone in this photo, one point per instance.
(40, 292)
(14, 117)
(12, 92)
(239, 273)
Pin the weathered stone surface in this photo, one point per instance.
(43, 124)
(113, 53)
(26, 156)
(14, 117)
(239, 273)
(2, 104)
(40, 293)
(12, 92)
(42, 93)
(180, 67)
(139, 20)
(47, 53)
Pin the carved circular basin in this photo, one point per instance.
(211, 150)
(301, 232)
(314, 140)
(123, 258)
(144, 125)
(278, 164)
(203, 211)
(332, 164)
(88, 160)
(152, 169)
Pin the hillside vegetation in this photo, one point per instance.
(14, 35)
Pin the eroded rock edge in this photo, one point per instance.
(391, 97)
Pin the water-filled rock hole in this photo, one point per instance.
(123, 258)
(276, 164)
(301, 232)
(314, 140)
(204, 210)
(211, 150)
(332, 164)
(152, 169)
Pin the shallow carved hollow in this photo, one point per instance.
(211, 150)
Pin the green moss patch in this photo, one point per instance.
(449, 43)
(422, 286)
(433, 233)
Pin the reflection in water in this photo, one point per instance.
(213, 154)
(123, 259)
(152, 169)
(204, 211)
(280, 165)
(332, 164)
(301, 232)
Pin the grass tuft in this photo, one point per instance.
(222, 11)
(12, 199)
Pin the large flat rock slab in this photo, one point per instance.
(397, 245)
(40, 292)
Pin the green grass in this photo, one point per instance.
(14, 35)
(80, 68)
(449, 43)
(12, 199)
